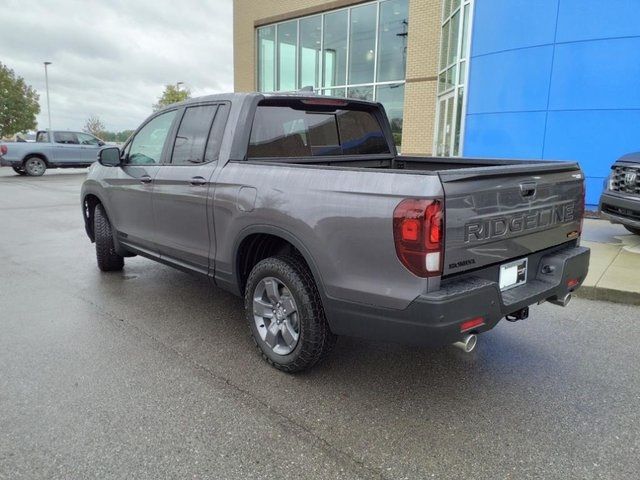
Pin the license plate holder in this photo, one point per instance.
(513, 274)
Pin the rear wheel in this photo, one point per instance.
(35, 166)
(633, 229)
(19, 170)
(108, 259)
(285, 314)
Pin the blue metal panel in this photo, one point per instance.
(595, 138)
(598, 74)
(585, 88)
(509, 24)
(588, 20)
(504, 135)
(517, 80)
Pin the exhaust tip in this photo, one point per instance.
(563, 301)
(468, 343)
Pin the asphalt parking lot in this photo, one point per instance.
(150, 373)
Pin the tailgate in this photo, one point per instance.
(495, 214)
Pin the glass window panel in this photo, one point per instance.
(146, 147)
(446, 11)
(188, 147)
(392, 40)
(266, 59)
(280, 131)
(361, 93)
(463, 72)
(334, 92)
(335, 48)
(309, 61)
(456, 141)
(287, 38)
(453, 42)
(442, 82)
(465, 32)
(362, 44)
(392, 97)
(445, 45)
(448, 126)
(455, 4)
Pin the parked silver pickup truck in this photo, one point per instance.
(64, 150)
(302, 205)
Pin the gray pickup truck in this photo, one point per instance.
(64, 150)
(620, 199)
(302, 205)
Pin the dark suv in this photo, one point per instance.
(620, 200)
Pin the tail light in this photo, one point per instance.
(3, 149)
(418, 234)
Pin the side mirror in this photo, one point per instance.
(101, 143)
(109, 157)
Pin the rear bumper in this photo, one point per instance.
(434, 319)
(622, 209)
(7, 163)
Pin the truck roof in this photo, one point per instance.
(230, 97)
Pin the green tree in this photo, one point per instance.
(18, 104)
(171, 94)
(94, 126)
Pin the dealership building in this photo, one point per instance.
(531, 79)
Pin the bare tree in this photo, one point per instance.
(94, 126)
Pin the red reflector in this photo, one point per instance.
(3, 149)
(572, 283)
(473, 323)
(410, 230)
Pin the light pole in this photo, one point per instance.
(46, 81)
(178, 85)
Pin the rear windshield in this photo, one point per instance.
(281, 131)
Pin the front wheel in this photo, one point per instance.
(633, 229)
(108, 259)
(285, 314)
(35, 166)
(19, 170)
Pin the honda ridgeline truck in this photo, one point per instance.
(302, 205)
(56, 149)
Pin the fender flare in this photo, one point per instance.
(285, 235)
(36, 154)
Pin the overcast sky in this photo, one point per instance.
(112, 58)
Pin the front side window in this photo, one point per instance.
(191, 138)
(86, 139)
(282, 131)
(146, 146)
(66, 138)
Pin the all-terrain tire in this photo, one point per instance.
(633, 229)
(19, 170)
(34, 166)
(315, 340)
(108, 259)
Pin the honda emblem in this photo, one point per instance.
(630, 178)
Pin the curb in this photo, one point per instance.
(608, 295)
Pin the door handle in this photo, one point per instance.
(196, 181)
(145, 179)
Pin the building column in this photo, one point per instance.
(422, 75)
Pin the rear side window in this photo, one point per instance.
(281, 131)
(42, 137)
(191, 139)
(67, 138)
